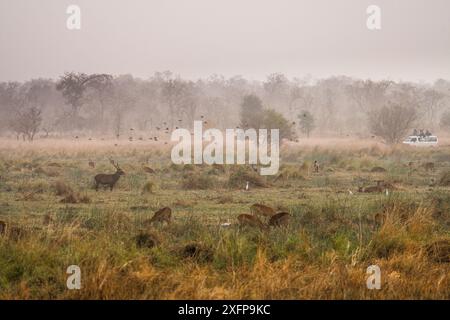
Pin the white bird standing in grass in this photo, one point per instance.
(387, 192)
(350, 192)
(247, 186)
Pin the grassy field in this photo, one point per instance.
(55, 218)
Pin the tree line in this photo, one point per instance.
(110, 106)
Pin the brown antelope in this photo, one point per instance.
(109, 179)
(161, 215)
(2, 227)
(91, 164)
(280, 219)
(252, 221)
(262, 210)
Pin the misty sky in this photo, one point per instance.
(252, 38)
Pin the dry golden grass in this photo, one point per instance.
(323, 253)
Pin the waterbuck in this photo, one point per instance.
(109, 179)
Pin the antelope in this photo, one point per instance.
(109, 179)
(162, 215)
(279, 219)
(252, 221)
(260, 209)
(91, 164)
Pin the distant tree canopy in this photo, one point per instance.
(392, 122)
(275, 120)
(73, 86)
(306, 122)
(445, 121)
(251, 112)
(101, 104)
(27, 122)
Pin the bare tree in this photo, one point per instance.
(392, 122)
(306, 122)
(27, 122)
(432, 101)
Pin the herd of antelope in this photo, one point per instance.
(274, 219)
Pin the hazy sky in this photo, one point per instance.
(252, 38)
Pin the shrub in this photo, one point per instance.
(148, 187)
(62, 189)
(239, 178)
(198, 181)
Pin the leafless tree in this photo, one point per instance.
(392, 122)
(27, 122)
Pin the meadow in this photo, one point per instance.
(55, 219)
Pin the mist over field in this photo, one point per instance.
(93, 204)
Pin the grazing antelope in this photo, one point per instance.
(162, 215)
(109, 179)
(260, 209)
(2, 227)
(280, 219)
(252, 221)
(91, 164)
